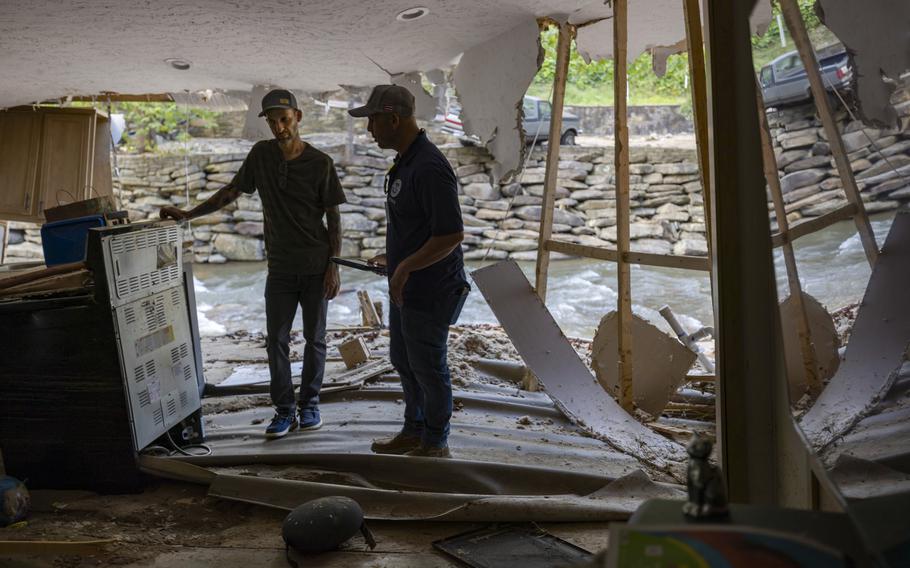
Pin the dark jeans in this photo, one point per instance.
(283, 292)
(418, 351)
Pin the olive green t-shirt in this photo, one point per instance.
(295, 194)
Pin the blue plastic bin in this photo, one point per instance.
(64, 241)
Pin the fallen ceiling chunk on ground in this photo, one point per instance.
(659, 362)
(877, 345)
(875, 33)
(491, 80)
(424, 102)
(824, 341)
(550, 356)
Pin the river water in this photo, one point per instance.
(832, 267)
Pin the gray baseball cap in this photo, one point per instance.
(278, 98)
(385, 99)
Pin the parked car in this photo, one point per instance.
(784, 80)
(536, 123)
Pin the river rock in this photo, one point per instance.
(801, 179)
(691, 247)
(651, 246)
(236, 247)
(357, 222)
(807, 163)
(484, 191)
(249, 229)
(859, 139)
(883, 166)
(677, 169)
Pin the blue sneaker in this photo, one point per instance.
(310, 419)
(281, 425)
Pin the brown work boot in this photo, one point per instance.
(398, 444)
(431, 452)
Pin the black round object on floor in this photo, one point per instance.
(322, 524)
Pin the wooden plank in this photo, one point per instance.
(368, 311)
(32, 275)
(563, 47)
(669, 261)
(632, 257)
(581, 250)
(699, 90)
(56, 283)
(814, 225)
(803, 333)
(795, 24)
(621, 159)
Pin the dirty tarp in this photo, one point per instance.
(517, 459)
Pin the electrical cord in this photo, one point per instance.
(158, 450)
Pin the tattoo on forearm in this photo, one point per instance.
(222, 197)
(333, 219)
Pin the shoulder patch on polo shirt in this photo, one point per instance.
(396, 188)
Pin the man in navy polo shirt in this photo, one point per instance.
(427, 282)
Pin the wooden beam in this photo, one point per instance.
(814, 225)
(632, 257)
(803, 333)
(749, 367)
(563, 47)
(669, 260)
(621, 157)
(699, 90)
(795, 24)
(582, 250)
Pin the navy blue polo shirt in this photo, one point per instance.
(422, 202)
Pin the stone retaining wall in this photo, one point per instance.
(501, 221)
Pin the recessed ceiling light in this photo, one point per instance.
(177, 63)
(412, 14)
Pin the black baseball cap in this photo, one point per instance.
(278, 98)
(385, 99)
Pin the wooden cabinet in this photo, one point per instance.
(49, 157)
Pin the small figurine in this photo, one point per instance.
(705, 482)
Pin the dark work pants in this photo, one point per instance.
(283, 292)
(418, 350)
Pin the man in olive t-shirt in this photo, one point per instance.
(298, 186)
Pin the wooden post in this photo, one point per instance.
(621, 155)
(563, 47)
(368, 311)
(4, 242)
(803, 332)
(699, 90)
(758, 444)
(794, 20)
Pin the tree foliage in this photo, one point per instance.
(145, 121)
(644, 85)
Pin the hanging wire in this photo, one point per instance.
(863, 129)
